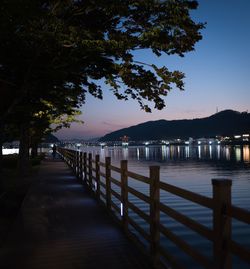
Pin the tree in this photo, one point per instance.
(57, 50)
(49, 120)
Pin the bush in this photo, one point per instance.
(35, 161)
(10, 161)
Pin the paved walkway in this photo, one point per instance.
(61, 226)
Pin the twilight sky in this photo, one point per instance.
(217, 75)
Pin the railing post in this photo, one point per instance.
(221, 223)
(85, 166)
(74, 161)
(108, 183)
(90, 172)
(70, 159)
(154, 213)
(97, 176)
(67, 156)
(124, 194)
(80, 168)
(77, 164)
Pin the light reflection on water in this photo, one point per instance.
(246, 153)
(189, 167)
(162, 153)
(192, 168)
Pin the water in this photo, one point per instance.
(191, 168)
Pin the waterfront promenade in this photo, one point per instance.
(61, 226)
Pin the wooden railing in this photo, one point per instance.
(99, 178)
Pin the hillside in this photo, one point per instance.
(50, 138)
(227, 122)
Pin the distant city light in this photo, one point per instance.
(102, 145)
(10, 151)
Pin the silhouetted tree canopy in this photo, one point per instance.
(52, 52)
(48, 45)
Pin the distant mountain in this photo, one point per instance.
(50, 138)
(227, 122)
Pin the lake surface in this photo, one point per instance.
(191, 168)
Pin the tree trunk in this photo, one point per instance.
(1, 152)
(24, 164)
(1, 145)
(34, 150)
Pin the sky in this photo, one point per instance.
(217, 76)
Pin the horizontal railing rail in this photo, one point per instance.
(118, 193)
